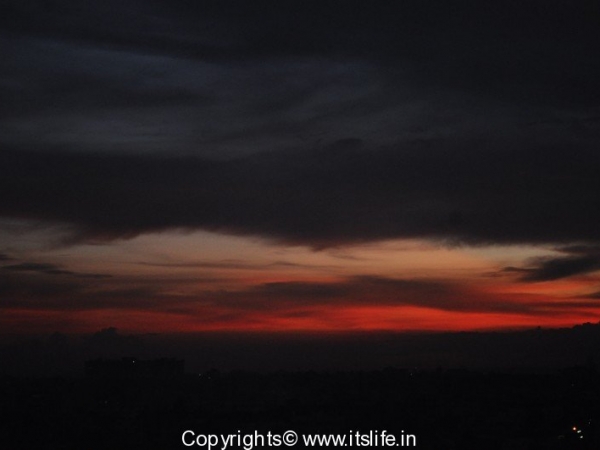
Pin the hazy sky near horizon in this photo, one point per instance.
(298, 166)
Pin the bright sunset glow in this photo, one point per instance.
(197, 282)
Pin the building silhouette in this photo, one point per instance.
(134, 368)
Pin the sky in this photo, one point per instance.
(298, 167)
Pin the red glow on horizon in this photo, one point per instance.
(324, 320)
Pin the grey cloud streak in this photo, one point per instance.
(49, 269)
(304, 298)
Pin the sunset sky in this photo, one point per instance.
(283, 166)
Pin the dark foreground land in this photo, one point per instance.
(444, 409)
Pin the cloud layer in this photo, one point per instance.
(310, 123)
(471, 192)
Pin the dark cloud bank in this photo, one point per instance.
(337, 153)
(580, 260)
(472, 192)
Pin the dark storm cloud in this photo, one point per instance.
(581, 260)
(472, 192)
(555, 269)
(502, 97)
